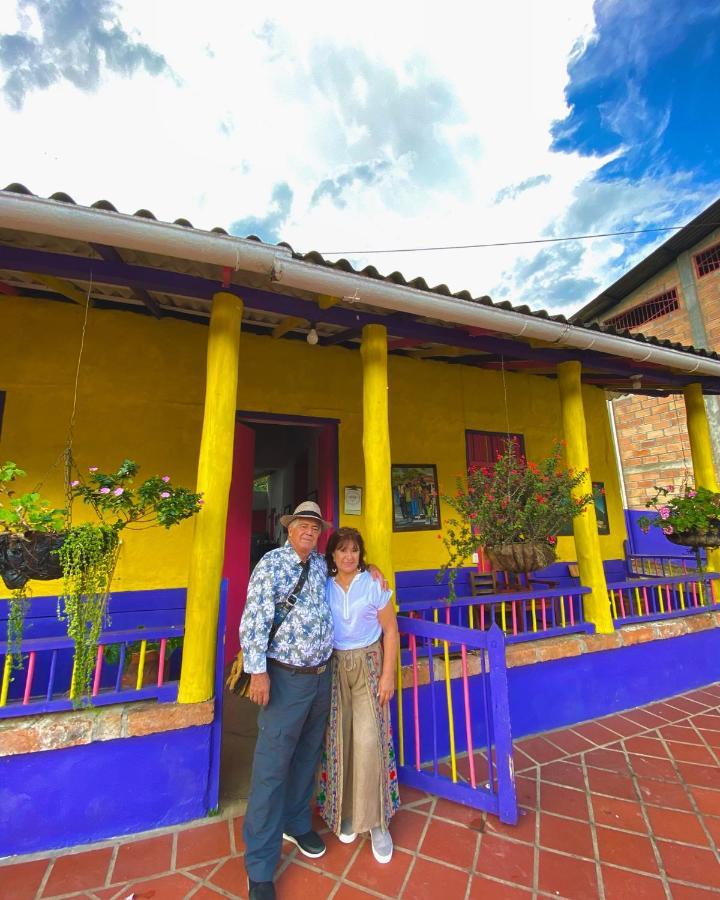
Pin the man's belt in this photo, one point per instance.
(301, 670)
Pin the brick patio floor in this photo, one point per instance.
(627, 806)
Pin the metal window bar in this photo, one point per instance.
(469, 717)
(708, 261)
(651, 309)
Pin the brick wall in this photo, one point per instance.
(708, 291)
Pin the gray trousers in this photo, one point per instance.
(291, 729)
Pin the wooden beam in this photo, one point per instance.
(289, 323)
(110, 254)
(325, 301)
(60, 286)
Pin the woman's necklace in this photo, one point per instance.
(344, 580)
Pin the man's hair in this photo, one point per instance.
(338, 539)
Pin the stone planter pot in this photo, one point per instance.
(29, 556)
(150, 669)
(521, 557)
(696, 538)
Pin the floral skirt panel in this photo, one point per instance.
(330, 777)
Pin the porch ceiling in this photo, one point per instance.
(64, 269)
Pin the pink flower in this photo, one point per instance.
(165, 495)
(166, 478)
(74, 483)
(201, 501)
(119, 491)
(670, 488)
(93, 469)
(104, 490)
(664, 512)
(692, 493)
(668, 529)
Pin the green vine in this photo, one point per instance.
(88, 557)
(18, 606)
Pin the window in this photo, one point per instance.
(482, 447)
(707, 261)
(651, 309)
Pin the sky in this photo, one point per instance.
(399, 126)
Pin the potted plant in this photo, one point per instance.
(131, 662)
(513, 509)
(30, 532)
(690, 516)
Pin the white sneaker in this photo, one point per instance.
(347, 836)
(382, 845)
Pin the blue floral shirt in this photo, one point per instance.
(305, 638)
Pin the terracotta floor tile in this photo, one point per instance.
(711, 737)
(387, 878)
(237, 827)
(565, 876)
(202, 871)
(522, 761)
(410, 795)
(672, 795)
(700, 776)
(569, 741)
(689, 703)
(563, 801)
(206, 893)
(166, 887)
(619, 848)
(693, 753)
(597, 732)
(712, 823)
(337, 856)
(297, 881)
(231, 877)
(617, 813)
(406, 828)
(605, 758)
(625, 727)
(682, 827)
(141, 859)
(78, 872)
(429, 879)
(568, 837)
(466, 815)
(613, 784)
(709, 721)
(524, 830)
(619, 885)
(688, 892)
(203, 844)
(482, 888)
(526, 788)
(644, 717)
(454, 844)
(540, 749)
(646, 746)
(563, 773)
(693, 864)
(506, 860)
(349, 892)
(21, 881)
(653, 767)
(682, 733)
(667, 711)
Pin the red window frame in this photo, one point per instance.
(708, 261)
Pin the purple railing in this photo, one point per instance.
(521, 616)
(655, 565)
(650, 599)
(48, 657)
(453, 720)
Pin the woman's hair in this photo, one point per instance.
(338, 539)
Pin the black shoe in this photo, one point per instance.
(309, 844)
(261, 890)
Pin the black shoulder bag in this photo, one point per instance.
(238, 681)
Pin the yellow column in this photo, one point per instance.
(701, 451)
(587, 542)
(376, 449)
(214, 475)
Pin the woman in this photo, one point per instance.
(358, 780)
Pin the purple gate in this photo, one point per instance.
(453, 717)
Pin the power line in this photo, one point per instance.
(556, 240)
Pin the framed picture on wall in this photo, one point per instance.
(601, 513)
(352, 505)
(415, 497)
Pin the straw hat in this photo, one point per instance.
(307, 510)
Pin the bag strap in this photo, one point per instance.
(291, 600)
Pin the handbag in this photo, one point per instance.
(238, 681)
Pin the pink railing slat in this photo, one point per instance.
(468, 726)
(571, 606)
(98, 671)
(161, 662)
(29, 678)
(544, 616)
(514, 617)
(416, 705)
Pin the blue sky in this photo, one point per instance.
(460, 124)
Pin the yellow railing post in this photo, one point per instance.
(587, 543)
(701, 452)
(214, 476)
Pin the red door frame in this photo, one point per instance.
(236, 566)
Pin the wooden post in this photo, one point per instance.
(214, 477)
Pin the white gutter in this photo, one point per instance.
(34, 214)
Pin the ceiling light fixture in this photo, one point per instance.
(312, 336)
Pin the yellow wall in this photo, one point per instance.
(141, 392)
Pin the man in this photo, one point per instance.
(291, 683)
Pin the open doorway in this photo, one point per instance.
(278, 462)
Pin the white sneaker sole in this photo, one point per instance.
(347, 838)
(289, 837)
(381, 859)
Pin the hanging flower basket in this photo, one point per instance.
(696, 537)
(29, 555)
(526, 556)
